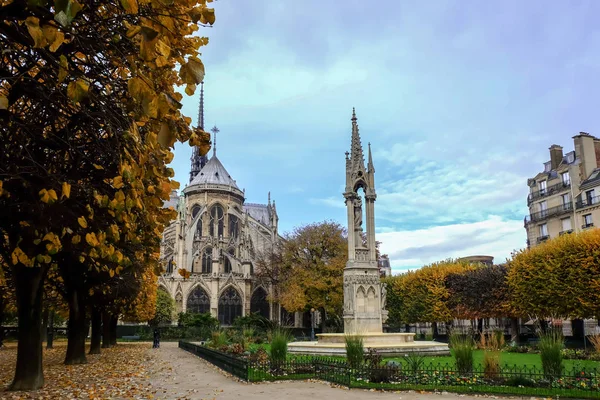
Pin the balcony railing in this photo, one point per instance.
(548, 213)
(556, 188)
(587, 202)
(565, 232)
(585, 226)
(542, 238)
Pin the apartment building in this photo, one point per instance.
(565, 196)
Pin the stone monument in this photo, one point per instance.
(364, 295)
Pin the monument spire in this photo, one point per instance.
(215, 130)
(356, 152)
(197, 160)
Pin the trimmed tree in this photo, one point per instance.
(89, 116)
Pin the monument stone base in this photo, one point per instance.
(386, 344)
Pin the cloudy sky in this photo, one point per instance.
(459, 99)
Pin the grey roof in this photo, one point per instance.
(259, 212)
(215, 173)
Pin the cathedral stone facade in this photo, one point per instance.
(217, 237)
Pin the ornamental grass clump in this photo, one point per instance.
(462, 350)
(491, 345)
(279, 345)
(595, 341)
(355, 350)
(218, 339)
(551, 344)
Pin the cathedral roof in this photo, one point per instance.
(260, 212)
(214, 173)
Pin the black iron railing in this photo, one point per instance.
(588, 202)
(559, 187)
(548, 213)
(406, 373)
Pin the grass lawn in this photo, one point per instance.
(511, 359)
(506, 359)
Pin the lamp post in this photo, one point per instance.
(312, 324)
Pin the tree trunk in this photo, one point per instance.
(113, 329)
(76, 328)
(50, 334)
(435, 330)
(29, 283)
(96, 331)
(514, 330)
(105, 330)
(480, 325)
(44, 323)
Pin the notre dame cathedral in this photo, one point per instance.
(216, 237)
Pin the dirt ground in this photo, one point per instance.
(178, 374)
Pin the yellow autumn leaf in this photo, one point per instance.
(98, 166)
(3, 103)
(33, 27)
(63, 68)
(77, 90)
(111, 273)
(82, 222)
(192, 72)
(208, 16)
(91, 239)
(76, 239)
(118, 182)
(190, 89)
(66, 190)
(175, 185)
(53, 196)
(24, 223)
(166, 137)
(163, 49)
(131, 6)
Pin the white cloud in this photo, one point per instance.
(336, 202)
(493, 236)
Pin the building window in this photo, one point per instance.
(566, 201)
(207, 261)
(230, 306)
(544, 230)
(590, 197)
(198, 302)
(195, 211)
(566, 224)
(566, 179)
(259, 303)
(170, 266)
(542, 187)
(543, 209)
(216, 221)
(587, 221)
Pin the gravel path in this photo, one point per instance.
(181, 375)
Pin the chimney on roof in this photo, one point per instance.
(556, 155)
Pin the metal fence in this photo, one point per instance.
(403, 375)
(233, 365)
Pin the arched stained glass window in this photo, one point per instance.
(230, 306)
(198, 301)
(259, 303)
(216, 220)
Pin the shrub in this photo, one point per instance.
(355, 350)
(205, 320)
(551, 345)
(254, 321)
(519, 380)
(260, 356)
(462, 349)
(373, 359)
(414, 362)
(279, 342)
(218, 339)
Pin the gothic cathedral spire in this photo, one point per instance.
(198, 161)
